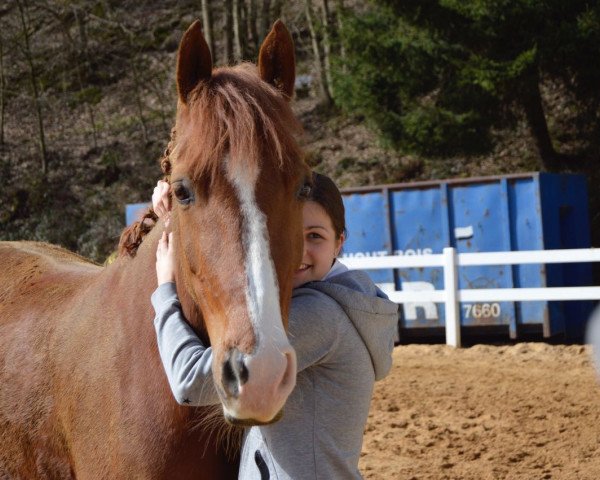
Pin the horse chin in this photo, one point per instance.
(250, 422)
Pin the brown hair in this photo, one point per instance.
(326, 194)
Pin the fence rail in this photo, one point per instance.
(451, 295)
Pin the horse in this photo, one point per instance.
(83, 393)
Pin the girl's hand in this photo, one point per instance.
(165, 259)
(161, 200)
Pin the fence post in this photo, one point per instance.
(451, 294)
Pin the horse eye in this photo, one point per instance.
(182, 194)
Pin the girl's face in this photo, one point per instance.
(321, 246)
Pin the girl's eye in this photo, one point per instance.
(182, 194)
(304, 191)
(314, 235)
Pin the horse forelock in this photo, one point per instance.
(236, 115)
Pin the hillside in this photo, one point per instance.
(104, 73)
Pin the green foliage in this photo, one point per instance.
(392, 76)
(435, 76)
(91, 95)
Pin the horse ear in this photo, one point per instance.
(194, 62)
(276, 60)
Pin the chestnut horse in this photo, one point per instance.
(82, 390)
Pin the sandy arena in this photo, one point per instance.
(528, 411)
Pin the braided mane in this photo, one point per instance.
(133, 235)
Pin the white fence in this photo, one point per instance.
(451, 296)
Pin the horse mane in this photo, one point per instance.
(233, 114)
(132, 236)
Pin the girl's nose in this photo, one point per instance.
(304, 252)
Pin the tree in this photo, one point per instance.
(251, 19)
(264, 20)
(28, 53)
(89, 96)
(76, 49)
(435, 76)
(228, 31)
(2, 91)
(327, 27)
(319, 61)
(207, 26)
(239, 33)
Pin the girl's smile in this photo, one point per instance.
(321, 245)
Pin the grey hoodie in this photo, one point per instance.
(342, 330)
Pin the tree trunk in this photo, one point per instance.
(207, 27)
(2, 91)
(238, 33)
(228, 14)
(264, 20)
(339, 7)
(277, 9)
(138, 99)
(83, 40)
(323, 93)
(82, 71)
(327, 31)
(536, 118)
(252, 27)
(137, 82)
(164, 105)
(34, 89)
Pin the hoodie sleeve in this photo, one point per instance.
(187, 362)
(314, 312)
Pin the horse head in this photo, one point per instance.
(237, 179)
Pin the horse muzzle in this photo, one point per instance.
(254, 387)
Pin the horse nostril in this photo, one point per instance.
(235, 372)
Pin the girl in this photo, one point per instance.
(342, 328)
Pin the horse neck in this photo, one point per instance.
(141, 271)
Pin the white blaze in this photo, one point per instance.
(262, 293)
(272, 364)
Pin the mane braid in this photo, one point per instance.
(132, 236)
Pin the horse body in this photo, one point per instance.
(75, 385)
(38, 282)
(83, 393)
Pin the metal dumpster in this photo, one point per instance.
(533, 211)
(135, 212)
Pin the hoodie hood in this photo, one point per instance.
(368, 308)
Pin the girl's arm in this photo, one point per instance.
(187, 362)
(315, 326)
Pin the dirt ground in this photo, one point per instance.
(527, 411)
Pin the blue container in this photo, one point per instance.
(535, 211)
(135, 212)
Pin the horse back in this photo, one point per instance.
(39, 275)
